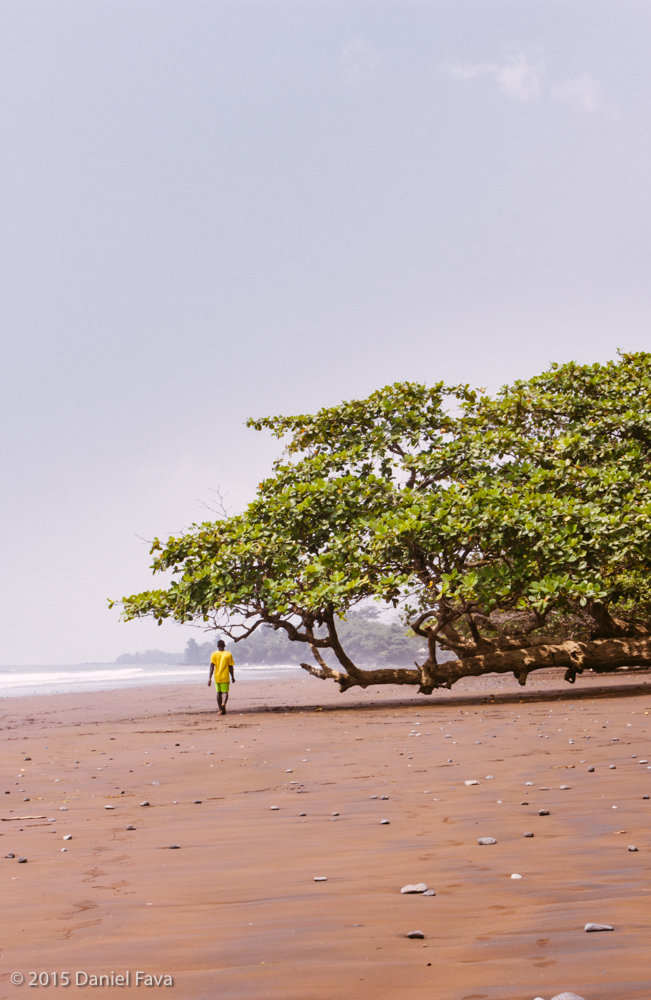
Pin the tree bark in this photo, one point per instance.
(600, 655)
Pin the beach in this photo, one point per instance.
(215, 887)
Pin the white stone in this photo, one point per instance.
(486, 840)
(472, 781)
(598, 927)
(418, 887)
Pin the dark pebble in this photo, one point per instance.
(527, 834)
(130, 827)
(524, 803)
(145, 803)
(543, 812)
(613, 767)
(10, 855)
(384, 797)
(645, 796)
(175, 847)
(25, 800)
(415, 934)
(591, 769)
(197, 802)
(22, 861)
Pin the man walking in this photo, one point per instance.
(222, 664)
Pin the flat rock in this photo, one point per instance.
(384, 822)
(22, 861)
(429, 892)
(473, 781)
(130, 827)
(109, 807)
(484, 841)
(415, 934)
(145, 803)
(567, 996)
(320, 878)
(10, 855)
(543, 812)
(598, 927)
(175, 847)
(418, 887)
(527, 834)
(632, 847)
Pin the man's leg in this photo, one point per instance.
(219, 699)
(225, 699)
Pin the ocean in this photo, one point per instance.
(25, 680)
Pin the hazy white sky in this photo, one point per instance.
(215, 210)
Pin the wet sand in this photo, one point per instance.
(235, 911)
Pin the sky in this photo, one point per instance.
(217, 210)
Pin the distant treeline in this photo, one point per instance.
(367, 640)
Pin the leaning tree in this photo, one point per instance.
(513, 532)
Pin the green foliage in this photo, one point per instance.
(443, 501)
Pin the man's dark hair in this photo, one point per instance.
(221, 644)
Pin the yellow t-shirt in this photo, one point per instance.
(221, 660)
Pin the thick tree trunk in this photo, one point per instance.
(600, 655)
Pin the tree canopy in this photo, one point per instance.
(512, 530)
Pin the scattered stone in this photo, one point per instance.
(130, 827)
(416, 934)
(524, 803)
(528, 782)
(565, 788)
(613, 767)
(515, 875)
(384, 798)
(320, 878)
(632, 847)
(643, 762)
(274, 808)
(591, 769)
(373, 796)
(598, 927)
(489, 777)
(543, 812)
(22, 861)
(10, 855)
(63, 850)
(384, 822)
(288, 771)
(471, 782)
(175, 847)
(527, 834)
(484, 841)
(63, 809)
(565, 996)
(429, 892)
(645, 796)
(302, 814)
(197, 802)
(145, 803)
(68, 836)
(418, 887)
(109, 807)
(334, 814)
(25, 800)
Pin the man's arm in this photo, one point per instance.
(212, 667)
(231, 667)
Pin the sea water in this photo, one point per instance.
(26, 680)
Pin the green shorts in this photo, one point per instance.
(223, 688)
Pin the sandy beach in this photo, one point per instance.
(293, 785)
